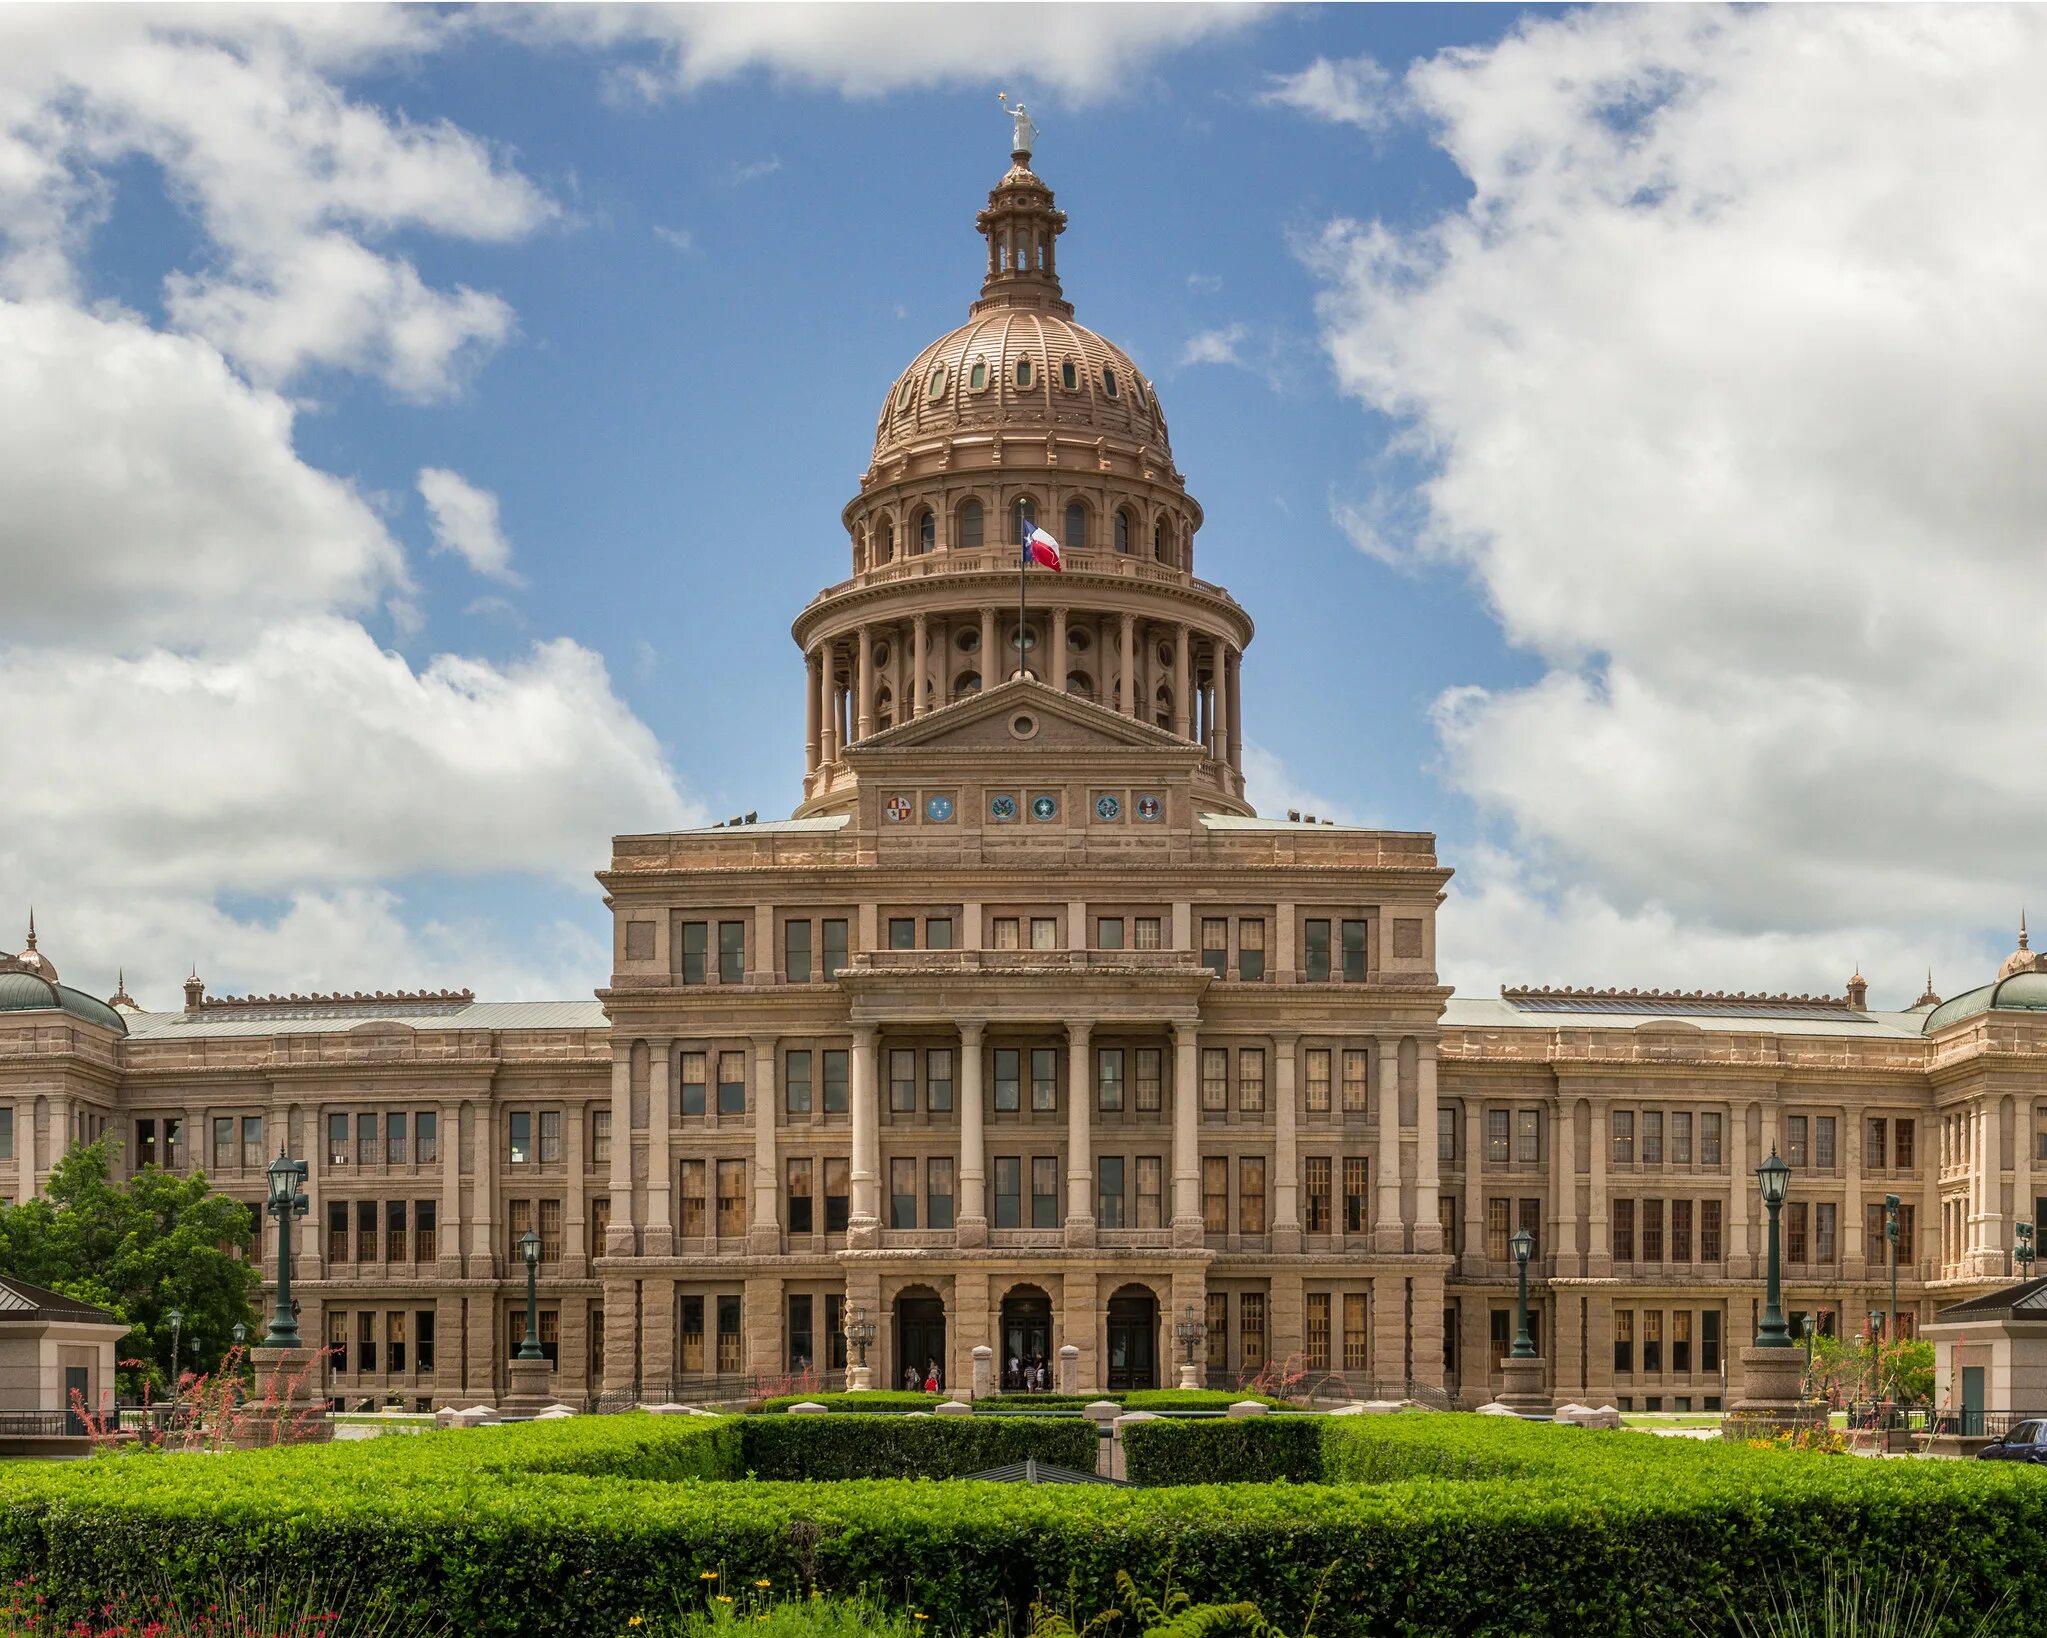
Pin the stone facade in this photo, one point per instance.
(1026, 1034)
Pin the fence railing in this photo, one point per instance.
(39, 1424)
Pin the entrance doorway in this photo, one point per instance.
(1133, 1339)
(77, 1392)
(920, 1337)
(1972, 1401)
(1026, 1341)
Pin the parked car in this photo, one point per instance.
(2025, 1443)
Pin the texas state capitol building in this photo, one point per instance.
(1026, 1034)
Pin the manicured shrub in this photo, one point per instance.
(903, 1447)
(891, 1401)
(1216, 1450)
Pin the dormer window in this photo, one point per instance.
(937, 386)
(977, 377)
(1069, 376)
(1108, 381)
(903, 397)
(1137, 391)
(1023, 372)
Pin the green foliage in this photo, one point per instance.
(1847, 1603)
(1216, 1450)
(902, 1447)
(579, 1525)
(141, 1248)
(803, 1618)
(890, 1401)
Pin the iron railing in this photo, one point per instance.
(40, 1424)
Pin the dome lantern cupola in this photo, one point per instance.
(1022, 228)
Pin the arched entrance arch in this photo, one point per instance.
(1025, 1359)
(1133, 1339)
(919, 1336)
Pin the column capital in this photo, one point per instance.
(1078, 1030)
(1284, 1038)
(971, 1030)
(866, 1035)
(766, 1042)
(1186, 1032)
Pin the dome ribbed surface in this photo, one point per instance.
(24, 992)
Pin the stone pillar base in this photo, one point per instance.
(1069, 1369)
(1770, 1402)
(1524, 1391)
(984, 1371)
(287, 1400)
(972, 1232)
(1190, 1376)
(859, 1378)
(532, 1387)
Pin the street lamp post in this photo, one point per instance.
(177, 1318)
(1805, 1325)
(1876, 1355)
(1522, 1245)
(529, 1251)
(1891, 1226)
(1773, 1178)
(287, 1203)
(1188, 1331)
(2022, 1250)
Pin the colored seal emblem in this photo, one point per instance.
(898, 809)
(938, 809)
(1003, 807)
(1107, 807)
(1044, 807)
(1149, 807)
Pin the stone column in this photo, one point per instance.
(657, 1341)
(920, 659)
(1055, 665)
(1741, 1180)
(1128, 654)
(1286, 1164)
(828, 704)
(1183, 686)
(1598, 1236)
(1428, 1182)
(1848, 1235)
(619, 1240)
(1220, 712)
(1474, 1181)
(973, 1212)
(1233, 669)
(1080, 1148)
(813, 711)
(658, 1236)
(1387, 1233)
(990, 660)
(864, 1223)
(1186, 1135)
(483, 1161)
(764, 1233)
(449, 1234)
(1990, 1235)
(575, 1261)
(865, 683)
(25, 1147)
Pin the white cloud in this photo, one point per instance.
(1082, 52)
(1204, 284)
(1219, 346)
(1346, 91)
(677, 239)
(1271, 787)
(465, 522)
(1727, 375)
(752, 170)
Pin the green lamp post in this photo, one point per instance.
(177, 1318)
(1892, 1217)
(1773, 1178)
(529, 1251)
(1876, 1354)
(2022, 1252)
(1522, 1245)
(287, 1203)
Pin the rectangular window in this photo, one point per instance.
(423, 1333)
(1217, 1329)
(366, 1231)
(691, 1199)
(1009, 1191)
(731, 1083)
(1109, 933)
(337, 1231)
(834, 1331)
(1681, 1341)
(1623, 1231)
(1496, 1229)
(1652, 1137)
(366, 1341)
(337, 1341)
(691, 949)
(834, 946)
(1823, 1142)
(1109, 1192)
(1709, 1138)
(1318, 1081)
(836, 1071)
(796, 951)
(1498, 1136)
(1709, 1231)
(1250, 1079)
(1528, 1136)
(1215, 1194)
(550, 1137)
(1622, 1122)
(1151, 1079)
(1008, 1069)
(1109, 1078)
(1215, 1078)
(731, 1197)
(938, 1079)
(1446, 1220)
(550, 1231)
(1145, 931)
(728, 1335)
(1876, 1146)
(838, 1191)
(1356, 1196)
(1354, 952)
(1151, 1191)
(426, 1238)
(1316, 1185)
(1357, 1332)
(1825, 1230)
(1623, 1342)
(1797, 1248)
(938, 932)
(1652, 1341)
(1709, 1342)
(1318, 1330)
(368, 1139)
(731, 952)
(801, 1352)
(1251, 949)
(691, 1356)
(519, 1136)
(1251, 1194)
(800, 1218)
(796, 1081)
(252, 1141)
(1356, 1081)
(600, 1224)
(394, 1139)
(1008, 933)
(1795, 1147)
(1316, 969)
(224, 1154)
(145, 1142)
(1528, 1218)
(1251, 1329)
(397, 1241)
(902, 932)
(1215, 945)
(1044, 933)
(902, 1192)
(902, 1081)
(1681, 1139)
(694, 1077)
(518, 1219)
(1044, 1191)
(1680, 1231)
(1044, 1078)
(1652, 1231)
(1903, 1160)
(938, 1173)
(426, 1130)
(1499, 1328)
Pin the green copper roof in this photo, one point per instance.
(2022, 992)
(24, 992)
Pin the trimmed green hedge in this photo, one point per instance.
(1623, 1535)
(897, 1401)
(903, 1447)
(1216, 1450)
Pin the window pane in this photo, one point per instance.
(1044, 1078)
(1109, 1077)
(796, 1081)
(835, 1073)
(938, 1079)
(1007, 1070)
(1316, 969)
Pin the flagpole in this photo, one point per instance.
(1023, 562)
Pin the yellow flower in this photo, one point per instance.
(724, 1598)
(708, 1575)
(763, 1582)
(920, 1616)
(635, 1620)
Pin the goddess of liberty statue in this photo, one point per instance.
(1025, 134)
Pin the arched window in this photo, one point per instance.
(967, 682)
(1137, 391)
(970, 524)
(1108, 381)
(885, 550)
(859, 553)
(1026, 519)
(884, 707)
(937, 387)
(903, 396)
(977, 377)
(1023, 372)
(1158, 541)
(1122, 531)
(1162, 708)
(1076, 527)
(927, 532)
(1069, 376)
(1079, 682)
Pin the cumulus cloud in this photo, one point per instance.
(1219, 346)
(1726, 375)
(1345, 91)
(465, 522)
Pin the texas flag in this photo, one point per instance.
(1042, 549)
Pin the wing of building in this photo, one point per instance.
(1025, 1052)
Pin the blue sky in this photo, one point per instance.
(1607, 570)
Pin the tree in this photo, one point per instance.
(160, 1241)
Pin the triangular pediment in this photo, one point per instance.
(1057, 722)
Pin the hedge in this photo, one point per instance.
(897, 1401)
(903, 1447)
(474, 1531)
(1215, 1450)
